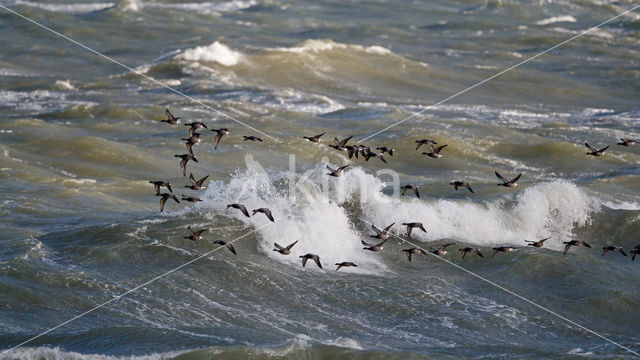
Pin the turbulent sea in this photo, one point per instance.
(81, 137)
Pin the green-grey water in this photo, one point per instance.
(81, 137)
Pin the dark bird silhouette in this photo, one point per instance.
(410, 187)
(502, 249)
(284, 250)
(385, 149)
(613, 248)
(412, 225)
(466, 250)
(315, 258)
(340, 145)
(435, 152)
(595, 152)
(336, 172)
(183, 163)
(252, 138)
(538, 243)
(373, 247)
(569, 244)
(170, 118)
(194, 235)
(157, 184)
(441, 250)
(508, 183)
(456, 184)
(227, 244)
(196, 185)
(164, 197)
(221, 133)
(411, 251)
(627, 142)
(345, 264)
(239, 207)
(425, 141)
(315, 138)
(635, 251)
(194, 126)
(191, 198)
(264, 211)
(381, 234)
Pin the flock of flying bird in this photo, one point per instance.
(352, 151)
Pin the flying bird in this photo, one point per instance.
(411, 251)
(196, 185)
(336, 172)
(164, 197)
(538, 243)
(410, 187)
(627, 142)
(373, 247)
(315, 258)
(157, 184)
(435, 152)
(194, 235)
(227, 244)
(385, 149)
(252, 138)
(264, 211)
(191, 198)
(221, 133)
(508, 183)
(183, 163)
(569, 244)
(595, 152)
(381, 234)
(613, 248)
(284, 250)
(466, 250)
(239, 207)
(340, 145)
(456, 184)
(425, 141)
(170, 118)
(315, 138)
(502, 249)
(345, 264)
(412, 225)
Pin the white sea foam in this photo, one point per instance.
(317, 45)
(556, 19)
(216, 52)
(63, 85)
(55, 353)
(624, 205)
(324, 211)
(82, 8)
(210, 8)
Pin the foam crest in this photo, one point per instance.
(55, 353)
(216, 52)
(318, 45)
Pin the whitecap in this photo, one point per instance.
(216, 52)
(556, 19)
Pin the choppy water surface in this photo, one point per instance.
(80, 138)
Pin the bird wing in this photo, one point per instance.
(622, 252)
(378, 231)
(415, 190)
(319, 135)
(169, 114)
(442, 247)
(566, 248)
(336, 141)
(183, 166)
(422, 228)
(157, 187)
(591, 148)
(440, 148)
(344, 141)
(501, 178)
(162, 201)
(343, 167)
(291, 245)
(192, 179)
(190, 231)
(382, 242)
(604, 250)
(316, 258)
(268, 213)
(383, 160)
(366, 243)
(604, 148)
(331, 169)
(409, 228)
(304, 261)
(516, 178)
(469, 187)
(478, 252)
(408, 253)
(388, 227)
(199, 182)
(278, 246)
(244, 210)
(216, 140)
(404, 190)
(199, 232)
(419, 144)
(230, 247)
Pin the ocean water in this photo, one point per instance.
(80, 137)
